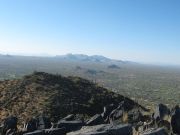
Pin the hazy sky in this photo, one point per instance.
(137, 30)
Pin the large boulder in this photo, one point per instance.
(9, 125)
(95, 120)
(159, 131)
(70, 125)
(104, 129)
(175, 120)
(160, 112)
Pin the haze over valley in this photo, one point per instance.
(135, 80)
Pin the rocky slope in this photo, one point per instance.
(55, 96)
(41, 101)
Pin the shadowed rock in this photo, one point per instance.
(175, 120)
(43, 122)
(31, 125)
(160, 112)
(9, 125)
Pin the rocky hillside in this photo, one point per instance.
(55, 96)
(41, 101)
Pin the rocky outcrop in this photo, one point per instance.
(132, 122)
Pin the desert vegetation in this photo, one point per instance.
(147, 84)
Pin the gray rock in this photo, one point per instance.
(37, 132)
(105, 129)
(95, 120)
(69, 117)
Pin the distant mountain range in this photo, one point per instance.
(78, 57)
(92, 58)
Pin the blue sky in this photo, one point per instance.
(145, 31)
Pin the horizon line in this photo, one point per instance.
(45, 55)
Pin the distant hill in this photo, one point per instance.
(54, 95)
(113, 66)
